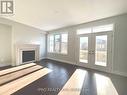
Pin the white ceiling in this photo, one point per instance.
(52, 14)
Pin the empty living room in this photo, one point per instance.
(63, 47)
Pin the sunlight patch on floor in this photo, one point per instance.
(104, 85)
(16, 68)
(74, 84)
(16, 85)
(17, 74)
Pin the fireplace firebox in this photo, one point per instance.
(28, 56)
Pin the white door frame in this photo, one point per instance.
(109, 51)
(91, 57)
(78, 50)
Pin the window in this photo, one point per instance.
(64, 40)
(51, 43)
(58, 43)
(95, 29)
(84, 31)
(103, 28)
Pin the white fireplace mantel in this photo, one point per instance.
(26, 47)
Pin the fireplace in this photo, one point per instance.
(27, 53)
(28, 56)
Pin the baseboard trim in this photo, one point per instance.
(73, 63)
(3, 65)
(120, 73)
(43, 58)
(68, 62)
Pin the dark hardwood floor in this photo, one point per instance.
(52, 83)
(5, 67)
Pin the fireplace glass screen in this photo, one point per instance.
(28, 56)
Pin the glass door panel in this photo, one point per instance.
(101, 50)
(95, 50)
(83, 56)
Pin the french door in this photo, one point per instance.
(95, 50)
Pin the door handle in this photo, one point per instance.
(91, 52)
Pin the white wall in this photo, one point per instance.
(23, 34)
(5, 49)
(120, 46)
(70, 57)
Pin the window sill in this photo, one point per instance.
(57, 53)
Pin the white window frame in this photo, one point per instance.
(48, 40)
(54, 43)
(109, 32)
(59, 43)
(96, 29)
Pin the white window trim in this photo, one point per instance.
(54, 43)
(92, 28)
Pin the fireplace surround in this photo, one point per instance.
(21, 48)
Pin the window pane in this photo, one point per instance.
(57, 43)
(103, 28)
(64, 41)
(101, 50)
(84, 31)
(83, 49)
(51, 43)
